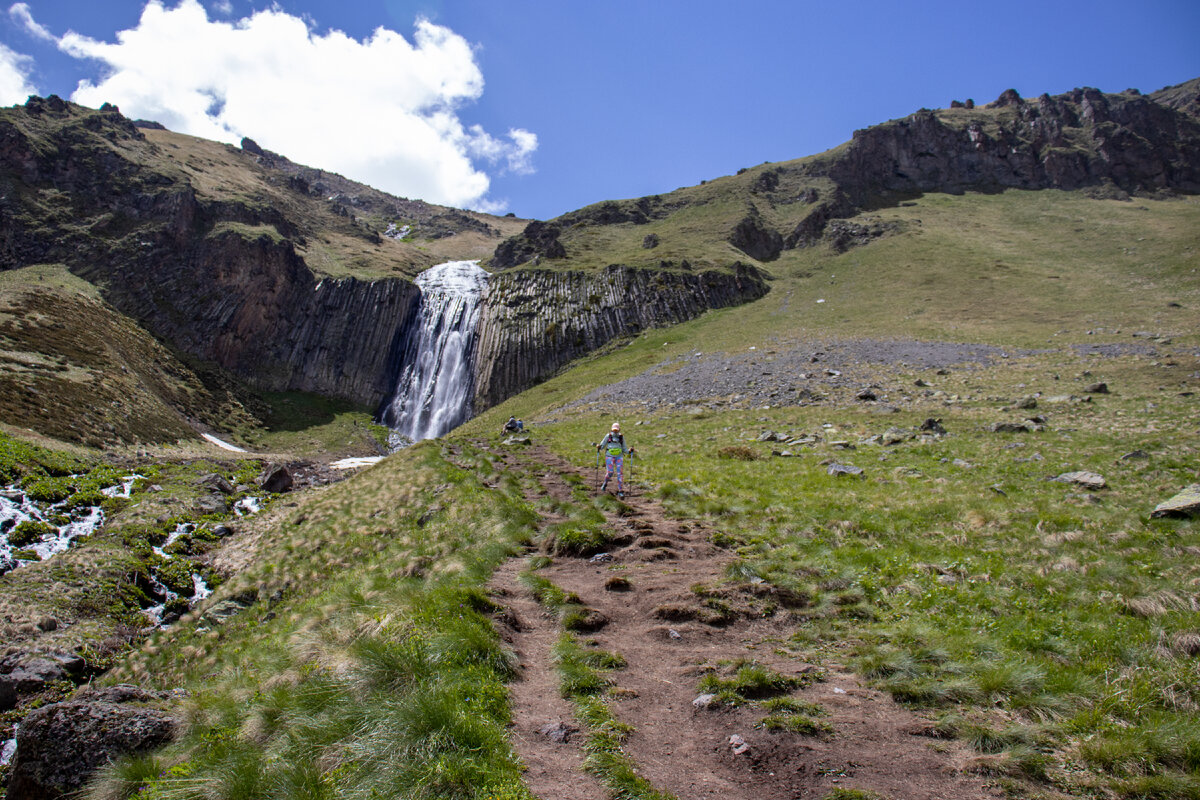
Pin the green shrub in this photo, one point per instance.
(30, 532)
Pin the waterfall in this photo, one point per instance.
(433, 393)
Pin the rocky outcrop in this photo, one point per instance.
(61, 745)
(756, 239)
(1083, 138)
(532, 322)
(538, 240)
(218, 278)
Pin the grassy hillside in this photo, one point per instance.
(1049, 628)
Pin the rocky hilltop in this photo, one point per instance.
(1111, 145)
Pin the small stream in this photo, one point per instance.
(68, 524)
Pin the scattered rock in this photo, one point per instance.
(211, 504)
(704, 701)
(217, 483)
(934, 426)
(1135, 455)
(59, 746)
(650, 241)
(1029, 401)
(1184, 504)
(1011, 427)
(47, 624)
(837, 470)
(558, 732)
(516, 440)
(276, 478)
(1086, 480)
(600, 558)
(738, 745)
(1096, 388)
(866, 395)
(770, 436)
(894, 436)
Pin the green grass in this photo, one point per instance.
(953, 574)
(360, 681)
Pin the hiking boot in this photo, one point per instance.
(620, 495)
(604, 486)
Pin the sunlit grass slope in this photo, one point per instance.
(1055, 629)
(365, 665)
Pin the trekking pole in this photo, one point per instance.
(596, 473)
(630, 481)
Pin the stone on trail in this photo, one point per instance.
(558, 732)
(1184, 504)
(1086, 480)
(738, 745)
(515, 440)
(704, 701)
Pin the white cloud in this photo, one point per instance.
(20, 12)
(14, 77)
(382, 110)
(223, 7)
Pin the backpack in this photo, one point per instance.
(611, 445)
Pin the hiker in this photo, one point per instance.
(613, 447)
(512, 426)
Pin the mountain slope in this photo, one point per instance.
(1109, 145)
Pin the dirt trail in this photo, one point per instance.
(656, 626)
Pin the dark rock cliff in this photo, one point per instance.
(219, 279)
(1117, 144)
(532, 322)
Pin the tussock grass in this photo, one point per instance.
(1066, 613)
(362, 682)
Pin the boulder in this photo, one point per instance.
(1011, 427)
(838, 470)
(1096, 388)
(26, 673)
(934, 426)
(8, 696)
(276, 478)
(867, 394)
(1029, 401)
(217, 483)
(211, 504)
(516, 440)
(894, 436)
(59, 746)
(1086, 480)
(1184, 504)
(650, 241)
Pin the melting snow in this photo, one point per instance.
(355, 463)
(223, 445)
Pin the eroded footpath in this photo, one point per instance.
(674, 619)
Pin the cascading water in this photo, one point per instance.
(433, 393)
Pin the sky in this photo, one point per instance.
(539, 107)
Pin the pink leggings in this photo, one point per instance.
(613, 464)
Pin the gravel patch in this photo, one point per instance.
(786, 374)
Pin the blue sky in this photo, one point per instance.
(541, 107)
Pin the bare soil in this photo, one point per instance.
(669, 638)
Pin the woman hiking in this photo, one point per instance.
(613, 446)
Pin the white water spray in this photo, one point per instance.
(433, 393)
